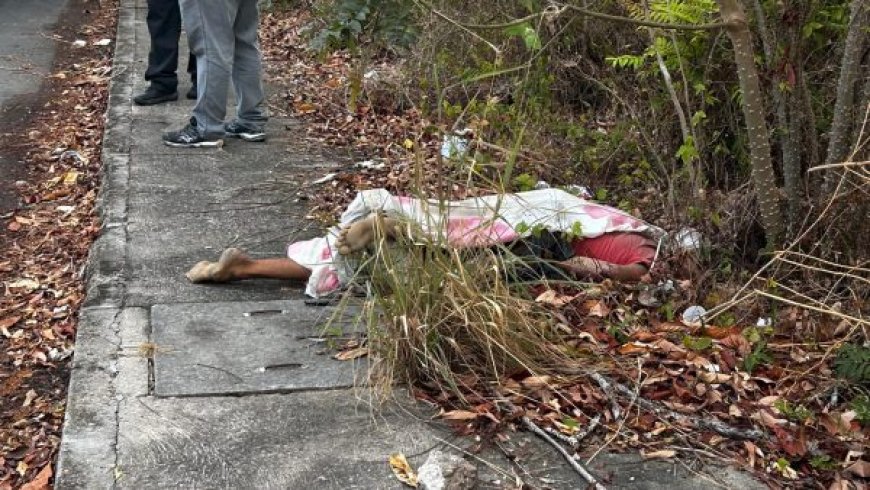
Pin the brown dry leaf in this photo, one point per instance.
(669, 327)
(13, 226)
(28, 398)
(713, 378)
(27, 284)
(661, 454)
(71, 177)
(840, 484)
(751, 452)
(536, 382)
(634, 348)
(402, 470)
(768, 401)
(9, 321)
(40, 482)
(459, 415)
(667, 346)
(552, 298)
(305, 108)
(654, 379)
(597, 308)
(834, 423)
(347, 355)
(768, 420)
(860, 468)
(718, 333)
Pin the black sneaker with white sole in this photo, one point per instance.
(189, 137)
(236, 129)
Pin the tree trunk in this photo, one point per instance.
(763, 178)
(844, 108)
(863, 110)
(787, 130)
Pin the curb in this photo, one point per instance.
(88, 450)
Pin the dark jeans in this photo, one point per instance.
(164, 27)
(537, 255)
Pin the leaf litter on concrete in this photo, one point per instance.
(757, 393)
(45, 245)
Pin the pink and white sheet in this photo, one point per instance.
(474, 222)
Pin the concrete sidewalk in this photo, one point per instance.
(184, 386)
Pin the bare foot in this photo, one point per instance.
(201, 272)
(360, 234)
(225, 269)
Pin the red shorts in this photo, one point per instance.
(617, 248)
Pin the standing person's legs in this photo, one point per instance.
(210, 33)
(164, 29)
(248, 68)
(191, 70)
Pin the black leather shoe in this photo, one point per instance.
(191, 94)
(153, 96)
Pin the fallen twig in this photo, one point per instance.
(710, 423)
(575, 440)
(608, 390)
(573, 462)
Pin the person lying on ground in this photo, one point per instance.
(620, 256)
(606, 243)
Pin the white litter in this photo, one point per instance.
(370, 164)
(103, 42)
(453, 146)
(688, 239)
(693, 315)
(326, 178)
(79, 43)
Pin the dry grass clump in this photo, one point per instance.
(440, 317)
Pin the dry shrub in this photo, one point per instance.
(447, 319)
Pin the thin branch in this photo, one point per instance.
(552, 11)
(646, 23)
(458, 24)
(568, 457)
(814, 308)
(574, 441)
(710, 423)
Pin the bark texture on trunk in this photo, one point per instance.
(763, 178)
(845, 112)
(787, 131)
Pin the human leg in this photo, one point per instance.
(247, 76)
(234, 265)
(210, 33)
(360, 234)
(164, 29)
(191, 70)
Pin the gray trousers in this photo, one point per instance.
(223, 36)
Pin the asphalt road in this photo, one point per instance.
(27, 52)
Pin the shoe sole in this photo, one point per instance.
(201, 144)
(251, 137)
(159, 100)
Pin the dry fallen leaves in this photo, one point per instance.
(43, 247)
(350, 354)
(402, 470)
